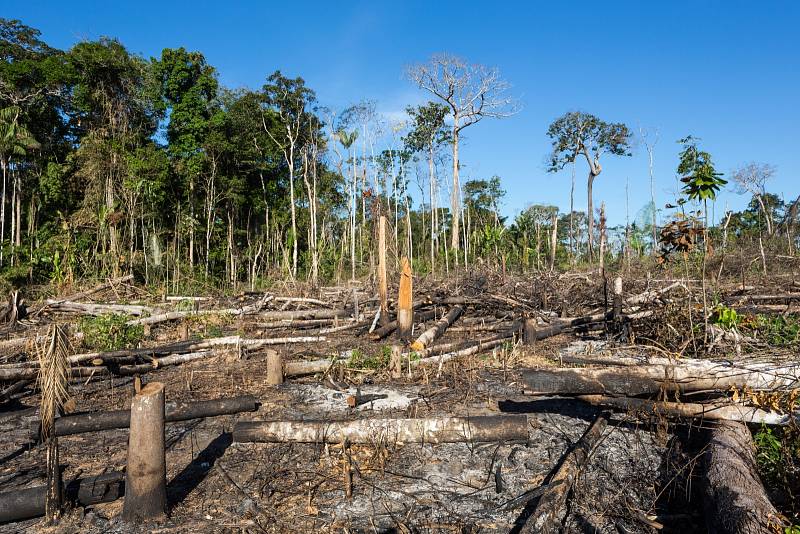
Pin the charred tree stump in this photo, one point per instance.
(735, 501)
(146, 487)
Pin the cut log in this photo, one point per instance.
(478, 347)
(714, 412)
(436, 331)
(90, 308)
(174, 411)
(735, 501)
(653, 379)
(146, 484)
(27, 503)
(433, 430)
(279, 315)
(548, 516)
(405, 310)
(383, 331)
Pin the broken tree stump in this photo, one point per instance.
(436, 331)
(735, 501)
(548, 516)
(405, 310)
(146, 485)
(383, 290)
(430, 430)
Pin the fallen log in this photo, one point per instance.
(548, 516)
(436, 331)
(278, 315)
(714, 412)
(175, 411)
(90, 308)
(383, 331)
(735, 501)
(432, 430)
(123, 356)
(469, 351)
(653, 379)
(27, 503)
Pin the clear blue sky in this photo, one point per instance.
(725, 71)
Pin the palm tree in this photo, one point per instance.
(15, 141)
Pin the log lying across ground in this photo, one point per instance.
(90, 308)
(431, 430)
(382, 332)
(714, 412)
(735, 501)
(548, 516)
(436, 331)
(175, 411)
(652, 379)
(29, 502)
(279, 315)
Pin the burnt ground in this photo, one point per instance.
(641, 477)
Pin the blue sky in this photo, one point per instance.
(725, 71)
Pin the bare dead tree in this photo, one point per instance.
(473, 92)
(649, 140)
(752, 178)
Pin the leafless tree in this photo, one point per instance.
(752, 178)
(473, 92)
(649, 140)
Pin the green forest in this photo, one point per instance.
(113, 163)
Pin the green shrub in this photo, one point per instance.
(110, 332)
(359, 360)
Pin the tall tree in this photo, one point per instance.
(427, 134)
(290, 102)
(189, 89)
(752, 178)
(577, 133)
(473, 92)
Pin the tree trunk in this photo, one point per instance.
(455, 193)
(432, 430)
(735, 499)
(590, 216)
(146, 484)
(436, 331)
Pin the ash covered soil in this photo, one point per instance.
(215, 485)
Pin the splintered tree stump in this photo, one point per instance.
(735, 501)
(274, 368)
(383, 290)
(146, 484)
(405, 313)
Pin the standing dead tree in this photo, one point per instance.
(473, 92)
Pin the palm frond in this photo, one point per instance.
(53, 375)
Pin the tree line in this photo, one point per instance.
(114, 163)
